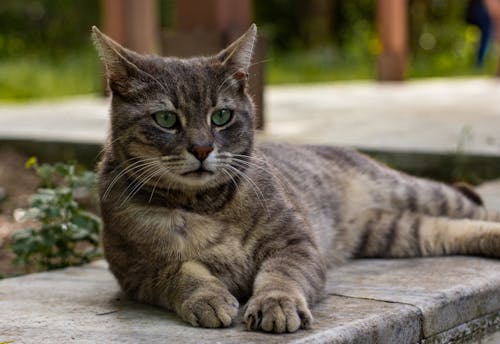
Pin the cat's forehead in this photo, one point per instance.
(189, 81)
(193, 69)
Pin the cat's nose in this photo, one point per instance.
(200, 151)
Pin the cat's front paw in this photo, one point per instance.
(277, 312)
(210, 308)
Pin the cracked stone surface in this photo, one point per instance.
(369, 301)
(454, 291)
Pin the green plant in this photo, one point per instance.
(67, 234)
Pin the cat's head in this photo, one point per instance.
(180, 123)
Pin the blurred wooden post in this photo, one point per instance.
(205, 27)
(493, 7)
(319, 20)
(132, 23)
(392, 27)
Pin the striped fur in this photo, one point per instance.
(262, 222)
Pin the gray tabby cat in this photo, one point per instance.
(199, 218)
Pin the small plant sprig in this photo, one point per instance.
(67, 235)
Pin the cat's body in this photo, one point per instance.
(196, 215)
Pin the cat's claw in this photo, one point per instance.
(277, 312)
(210, 309)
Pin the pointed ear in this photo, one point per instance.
(238, 55)
(120, 63)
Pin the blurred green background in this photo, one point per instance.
(45, 48)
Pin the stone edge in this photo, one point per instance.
(471, 330)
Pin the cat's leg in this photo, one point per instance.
(291, 277)
(200, 298)
(405, 234)
(187, 288)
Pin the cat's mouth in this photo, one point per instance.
(199, 173)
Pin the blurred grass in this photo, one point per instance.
(34, 77)
(319, 65)
(358, 62)
(458, 60)
(307, 67)
(449, 65)
(45, 49)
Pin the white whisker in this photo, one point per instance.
(140, 185)
(155, 185)
(140, 172)
(260, 164)
(131, 167)
(144, 177)
(254, 186)
(223, 169)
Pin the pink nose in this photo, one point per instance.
(200, 151)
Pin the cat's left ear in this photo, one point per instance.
(238, 56)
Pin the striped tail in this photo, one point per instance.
(491, 216)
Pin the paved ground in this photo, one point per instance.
(432, 115)
(76, 119)
(369, 301)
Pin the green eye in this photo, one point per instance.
(222, 116)
(165, 119)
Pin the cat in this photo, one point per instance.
(198, 217)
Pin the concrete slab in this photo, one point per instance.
(449, 291)
(84, 305)
(477, 331)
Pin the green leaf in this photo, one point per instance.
(87, 220)
(45, 173)
(62, 169)
(63, 223)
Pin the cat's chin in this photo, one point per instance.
(198, 175)
(197, 179)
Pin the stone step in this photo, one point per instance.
(428, 300)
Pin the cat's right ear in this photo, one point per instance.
(120, 63)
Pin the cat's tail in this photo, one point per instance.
(483, 214)
(492, 216)
(405, 234)
(479, 213)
